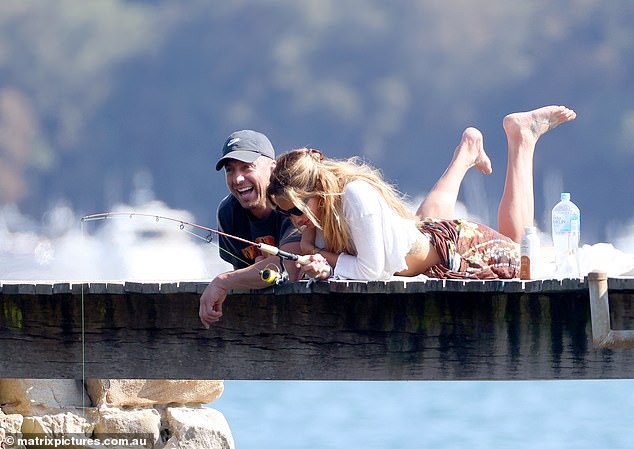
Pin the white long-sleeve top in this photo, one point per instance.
(381, 236)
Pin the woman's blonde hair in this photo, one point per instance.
(304, 173)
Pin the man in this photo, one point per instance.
(248, 158)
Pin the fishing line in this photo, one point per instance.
(269, 249)
(182, 226)
(277, 275)
(83, 335)
(209, 239)
(106, 215)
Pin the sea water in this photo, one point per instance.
(580, 414)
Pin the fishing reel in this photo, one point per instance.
(273, 275)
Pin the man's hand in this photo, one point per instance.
(212, 299)
(210, 309)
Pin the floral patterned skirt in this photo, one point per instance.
(470, 250)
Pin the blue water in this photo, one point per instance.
(439, 415)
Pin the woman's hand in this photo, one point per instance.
(317, 267)
(307, 243)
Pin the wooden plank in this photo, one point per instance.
(338, 330)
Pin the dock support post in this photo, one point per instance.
(603, 336)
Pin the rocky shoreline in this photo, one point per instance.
(165, 413)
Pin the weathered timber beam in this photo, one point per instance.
(603, 336)
(332, 330)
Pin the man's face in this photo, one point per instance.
(248, 182)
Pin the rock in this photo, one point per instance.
(200, 428)
(31, 397)
(12, 424)
(58, 424)
(11, 427)
(144, 392)
(118, 423)
(62, 409)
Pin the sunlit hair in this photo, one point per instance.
(304, 173)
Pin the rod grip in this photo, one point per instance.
(269, 249)
(303, 260)
(275, 251)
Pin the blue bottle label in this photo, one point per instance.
(566, 223)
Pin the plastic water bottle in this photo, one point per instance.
(566, 221)
(529, 254)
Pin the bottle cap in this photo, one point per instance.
(565, 196)
(530, 229)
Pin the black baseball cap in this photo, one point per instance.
(245, 146)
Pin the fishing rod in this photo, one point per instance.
(268, 275)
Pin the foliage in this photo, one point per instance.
(95, 93)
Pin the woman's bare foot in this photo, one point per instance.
(441, 201)
(470, 151)
(533, 124)
(523, 130)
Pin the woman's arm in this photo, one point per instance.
(369, 262)
(363, 211)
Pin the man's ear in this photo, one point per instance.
(273, 165)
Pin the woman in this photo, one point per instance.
(368, 232)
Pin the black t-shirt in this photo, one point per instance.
(276, 229)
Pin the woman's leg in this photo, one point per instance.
(523, 130)
(441, 200)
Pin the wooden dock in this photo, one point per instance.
(415, 330)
